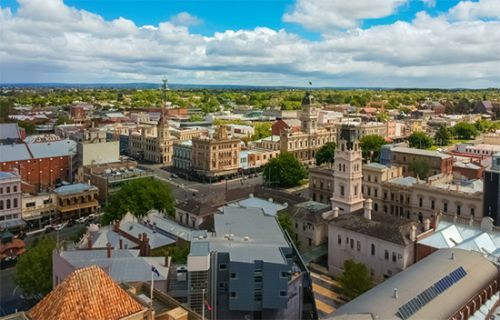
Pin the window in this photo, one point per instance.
(373, 249)
(375, 190)
(7, 190)
(233, 295)
(385, 195)
(342, 190)
(472, 212)
(339, 240)
(7, 203)
(15, 203)
(420, 201)
(15, 188)
(1, 204)
(283, 293)
(358, 246)
(257, 294)
(352, 243)
(445, 207)
(433, 204)
(222, 266)
(233, 275)
(386, 255)
(394, 257)
(459, 209)
(1, 190)
(375, 206)
(285, 274)
(30, 204)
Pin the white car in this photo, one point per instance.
(59, 227)
(81, 220)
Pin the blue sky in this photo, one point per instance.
(396, 43)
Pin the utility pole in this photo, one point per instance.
(164, 92)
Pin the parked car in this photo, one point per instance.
(174, 176)
(81, 220)
(59, 227)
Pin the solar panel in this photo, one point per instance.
(426, 296)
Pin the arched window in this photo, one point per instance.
(373, 249)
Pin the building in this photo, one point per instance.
(383, 243)
(39, 209)
(269, 143)
(321, 184)
(482, 150)
(240, 131)
(248, 269)
(491, 200)
(216, 157)
(304, 143)
(364, 128)
(152, 143)
(10, 200)
(122, 265)
(258, 157)
(406, 157)
(110, 177)
(195, 214)
(186, 134)
(93, 148)
(292, 124)
(468, 170)
(347, 175)
(182, 156)
(77, 200)
(96, 296)
(449, 284)
(42, 161)
(308, 223)
(374, 174)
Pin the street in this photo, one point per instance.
(183, 189)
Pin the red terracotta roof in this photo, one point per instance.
(87, 293)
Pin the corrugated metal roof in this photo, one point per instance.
(74, 188)
(60, 148)
(9, 131)
(14, 152)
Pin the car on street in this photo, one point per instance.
(59, 227)
(174, 176)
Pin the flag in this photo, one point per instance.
(209, 307)
(154, 270)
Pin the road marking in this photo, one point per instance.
(324, 292)
(323, 307)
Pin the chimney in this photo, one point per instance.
(396, 293)
(121, 243)
(116, 226)
(427, 224)
(108, 250)
(335, 212)
(89, 241)
(413, 233)
(368, 209)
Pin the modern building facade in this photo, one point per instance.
(491, 202)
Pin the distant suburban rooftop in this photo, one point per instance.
(247, 234)
(382, 226)
(420, 152)
(474, 273)
(74, 188)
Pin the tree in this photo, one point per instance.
(287, 224)
(355, 280)
(420, 140)
(370, 146)
(420, 168)
(284, 171)
(326, 154)
(63, 120)
(261, 130)
(34, 268)
(138, 197)
(442, 136)
(465, 130)
(28, 126)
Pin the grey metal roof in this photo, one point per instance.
(124, 265)
(269, 207)
(404, 181)
(247, 234)
(156, 240)
(74, 188)
(9, 131)
(14, 152)
(420, 152)
(375, 165)
(169, 226)
(7, 175)
(59, 148)
(380, 303)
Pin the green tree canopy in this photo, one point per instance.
(442, 136)
(28, 126)
(370, 146)
(261, 130)
(326, 154)
(284, 171)
(464, 130)
(420, 140)
(34, 268)
(355, 280)
(138, 197)
(420, 168)
(286, 223)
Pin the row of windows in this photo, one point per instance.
(7, 189)
(9, 217)
(350, 242)
(8, 204)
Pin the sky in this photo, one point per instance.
(337, 43)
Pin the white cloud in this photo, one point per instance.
(429, 3)
(469, 10)
(324, 15)
(185, 19)
(78, 46)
